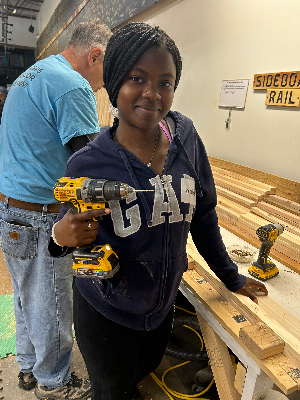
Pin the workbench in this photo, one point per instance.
(222, 314)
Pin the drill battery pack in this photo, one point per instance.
(92, 261)
(268, 272)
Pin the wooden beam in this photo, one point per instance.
(240, 376)
(240, 183)
(285, 215)
(287, 205)
(239, 189)
(261, 340)
(242, 178)
(220, 362)
(235, 197)
(284, 187)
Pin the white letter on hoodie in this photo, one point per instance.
(133, 214)
(160, 206)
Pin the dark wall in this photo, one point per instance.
(111, 12)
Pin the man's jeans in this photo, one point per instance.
(42, 295)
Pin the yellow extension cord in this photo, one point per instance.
(169, 392)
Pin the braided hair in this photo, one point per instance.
(124, 49)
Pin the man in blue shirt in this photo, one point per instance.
(49, 113)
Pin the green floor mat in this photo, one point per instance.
(7, 326)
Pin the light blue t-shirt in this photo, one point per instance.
(46, 106)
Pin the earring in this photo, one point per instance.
(113, 111)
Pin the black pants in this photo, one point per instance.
(117, 358)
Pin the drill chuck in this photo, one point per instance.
(101, 190)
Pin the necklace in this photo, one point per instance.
(150, 162)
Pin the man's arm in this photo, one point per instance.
(78, 142)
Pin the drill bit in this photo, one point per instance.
(144, 190)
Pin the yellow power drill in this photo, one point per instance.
(84, 194)
(263, 268)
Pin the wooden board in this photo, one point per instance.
(285, 215)
(223, 201)
(240, 376)
(239, 189)
(220, 362)
(261, 340)
(240, 183)
(235, 197)
(104, 117)
(287, 205)
(242, 178)
(284, 187)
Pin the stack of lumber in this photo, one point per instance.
(245, 204)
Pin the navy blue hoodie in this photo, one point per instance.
(149, 230)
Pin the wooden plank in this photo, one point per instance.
(285, 215)
(281, 202)
(271, 218)
(240, 376)
(191, 262)
(242, 178)
(230, 204)
(241, 183)
(227, 211)
(284, 187)
(235, 197)
(224, 312)
(253, 312)
(220, 362)
(261, 340)
(236, 188)
(104, 117)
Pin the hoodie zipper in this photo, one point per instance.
(165, 264)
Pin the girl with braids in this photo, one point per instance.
(123, 323)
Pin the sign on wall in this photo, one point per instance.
(233, 93)
(283, 88)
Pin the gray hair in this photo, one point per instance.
(89, 35)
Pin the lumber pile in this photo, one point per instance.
(245, 204)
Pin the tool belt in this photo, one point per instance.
(24, 205)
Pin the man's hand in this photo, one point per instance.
(75, 230)
(250, 284)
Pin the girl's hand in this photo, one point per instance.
(75, 230)
(252, 283)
